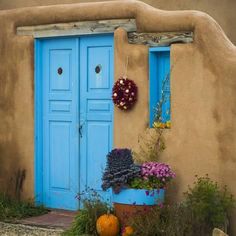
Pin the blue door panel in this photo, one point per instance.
(96, 109)
(99, 60)
(76, 80)
(98, 139)
(60, 120)
(60, 106)
(60, 59)
(95, 106)
(59, 155)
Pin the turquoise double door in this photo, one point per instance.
(77, 117)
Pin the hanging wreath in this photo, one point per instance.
(124, 93)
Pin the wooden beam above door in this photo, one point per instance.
(77, 28)
(106, 26)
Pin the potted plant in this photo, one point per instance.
(136, 188)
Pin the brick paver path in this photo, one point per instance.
(54, 219)
(51, 224)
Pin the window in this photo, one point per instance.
(159, 83)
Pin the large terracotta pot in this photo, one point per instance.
(130, 202)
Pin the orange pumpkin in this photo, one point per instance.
(107, 225)
(128, 230)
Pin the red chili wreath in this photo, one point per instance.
(124, 93)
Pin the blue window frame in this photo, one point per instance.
(159, 83)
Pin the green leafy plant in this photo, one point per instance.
(164, 220)
(210, 205)
(11, 209)
(147, 224)
(85, 221)
(148, 184)
(176, 220)
(205, 207)
(139, 183)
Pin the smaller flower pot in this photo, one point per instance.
(131, 202)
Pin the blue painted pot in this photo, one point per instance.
(132, 202)
(139, 197)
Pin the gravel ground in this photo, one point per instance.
(7, 229)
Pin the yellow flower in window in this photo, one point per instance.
(168, 124)
(158, 125)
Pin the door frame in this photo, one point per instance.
(38, 112)
(38, 124)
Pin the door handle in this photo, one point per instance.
(80, 131)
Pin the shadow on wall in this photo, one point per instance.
(12, 177)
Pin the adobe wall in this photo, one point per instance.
(203, 134)
(222, 11)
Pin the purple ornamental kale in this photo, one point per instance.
(120, 169)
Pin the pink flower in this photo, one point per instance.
(159, 171)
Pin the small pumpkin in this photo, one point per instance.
(128, 231)
(107, 225)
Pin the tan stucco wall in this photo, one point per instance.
(203, 134)
(192, 143)
(222, 11)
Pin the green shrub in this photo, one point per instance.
(147, 224)
(205, 206)
(163, 221)
(85, 221)
(11, 209)
(209, 204)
